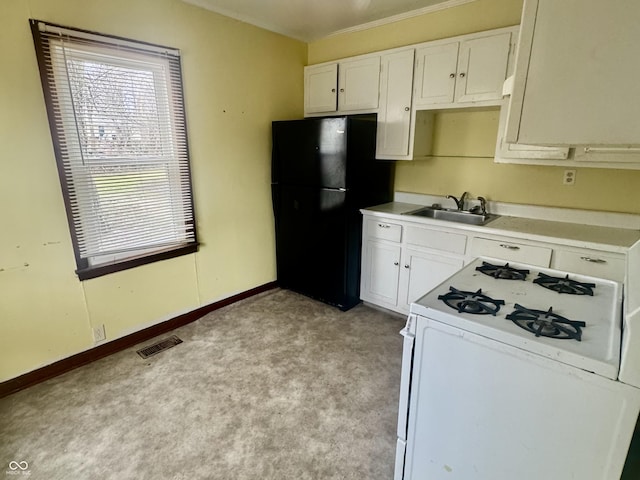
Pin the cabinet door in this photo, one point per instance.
(590, 262)
(358, 84)
(482, 68)
(320, 88)
(577, 74)
(381, 271)
(508, 250)
(394, 115)
(616, 157)
(436, 74)
(517, 153)
(422, 272)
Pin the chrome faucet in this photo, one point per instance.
(483, 205)
(459, 203)
(482, 208)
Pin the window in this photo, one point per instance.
(116, 114)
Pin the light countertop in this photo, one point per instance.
(566, 233)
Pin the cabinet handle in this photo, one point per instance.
(333, 90)
(406, 266)
(509, 247)
(452, 75)
(341, 90)
(406, 109)
(593, 260)
(396, 263)
(382, 225)
(462, 75)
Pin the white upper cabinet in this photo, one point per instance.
(482, 67)
(358, 84)
(436, 69)
(576, 75)
(597, 157)
(394, 114)
(320, 90)
(528, 154)
(405, 85)
(466, 72)
(345, 87)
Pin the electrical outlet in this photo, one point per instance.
(569, 177)
(99, 334)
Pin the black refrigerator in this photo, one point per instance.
(323, 171)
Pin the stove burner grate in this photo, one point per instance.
(564, 285)
(502, 272)
(471, 302)
(546, 324)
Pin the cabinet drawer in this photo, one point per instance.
(436, 240)
(591, 262)
(379, 228)
(511, 251)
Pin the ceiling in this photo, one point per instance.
(310, 20)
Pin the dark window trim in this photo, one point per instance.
(84, 271)
(100, 270)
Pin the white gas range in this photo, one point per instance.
(510, 372)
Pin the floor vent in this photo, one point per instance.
(158, 347)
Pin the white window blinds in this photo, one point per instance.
(117, 119)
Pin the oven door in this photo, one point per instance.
(408, 332)
(481, 409)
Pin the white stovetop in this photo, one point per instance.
(599, 349)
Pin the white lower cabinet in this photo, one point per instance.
(595, 263)
(403, 260)
(380, 273)
(510, 250)
(398, 268)
(422, 272)
(590, 262)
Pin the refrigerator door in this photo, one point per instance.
(313, 243)
(310, 153)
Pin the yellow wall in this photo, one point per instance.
(464, 142)
(237, 79)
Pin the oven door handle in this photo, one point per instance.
(406, 333)
(405, 377)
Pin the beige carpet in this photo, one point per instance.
(275, 387)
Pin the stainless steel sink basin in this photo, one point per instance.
(460, 216)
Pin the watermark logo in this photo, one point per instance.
(18, 468)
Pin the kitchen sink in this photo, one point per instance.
(451, 215)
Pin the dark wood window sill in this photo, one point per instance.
(100, 270)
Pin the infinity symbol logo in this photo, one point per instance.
(13, 465)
